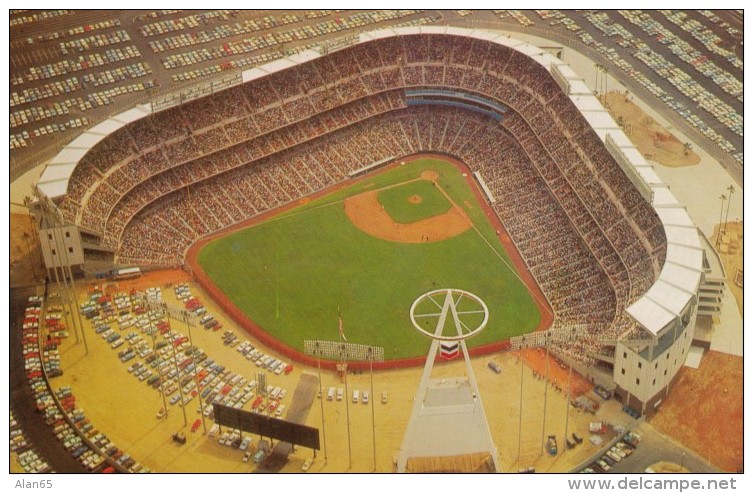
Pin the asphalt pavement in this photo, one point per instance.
(22, 400)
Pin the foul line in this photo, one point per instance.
(496, 252)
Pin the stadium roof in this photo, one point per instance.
(679, 229)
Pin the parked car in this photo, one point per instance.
(259, 456)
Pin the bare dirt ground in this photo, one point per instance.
(652, 140)
(368, 215)
(536, 359)
(124, 408)
(730, 249)
(25, 258)
(704, 410)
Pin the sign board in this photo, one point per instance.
(267, 426)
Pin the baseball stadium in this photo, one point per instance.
(270, 233)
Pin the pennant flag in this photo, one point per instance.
(449, 349)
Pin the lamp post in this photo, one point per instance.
(596, 80)
(520, 406)
(321, 398)
(719, 234)
(731, 190)
(373, 397)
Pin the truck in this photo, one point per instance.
(586, 404)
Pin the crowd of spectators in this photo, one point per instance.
(590, 240)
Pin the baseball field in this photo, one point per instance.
(364, 253)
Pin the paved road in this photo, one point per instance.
(22, 401)
(654, 448)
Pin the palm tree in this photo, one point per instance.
(687, 146)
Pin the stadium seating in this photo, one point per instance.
(591, 241)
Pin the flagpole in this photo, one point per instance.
(373, 397)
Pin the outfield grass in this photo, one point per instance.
(292, 273)
(396, 201)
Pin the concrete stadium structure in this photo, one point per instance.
(641, 335)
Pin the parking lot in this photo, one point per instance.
(120, 402)
(70, 69)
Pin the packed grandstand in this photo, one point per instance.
(147, 191)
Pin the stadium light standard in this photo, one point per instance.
(596, 79)
(721, 210)
(373, 426)
(177, 370)
(347, 399)
(520, 407)
(731, 190)
(74, 295)
(153, 333)
(546, 389)
(187, 321)
(321, 398)
(62, 292)
(567, 400)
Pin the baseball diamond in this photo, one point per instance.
(369, 277)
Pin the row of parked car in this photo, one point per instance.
(165, 360)
(48, 90)
(519, 16)
(53, 406)
(28, 457)
(705, 35)
(82, 62)
(620, 450)
(100, 441)
(30, 17)
(245, 27)
(89, 102)
(193, 21)
(229, 338)
(648, 83)
(336, 394)
(250, 44)
(94, 41)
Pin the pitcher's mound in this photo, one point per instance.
(415, 199)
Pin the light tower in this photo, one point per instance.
(448, 430)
